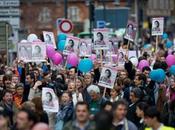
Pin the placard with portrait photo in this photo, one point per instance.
(38, 52)
(130, 31)
(49, 38)
(49, 100)
(101, 38)
(32, 52)
(113, 45)
(107, 77)
(85, 48)
(121, 56)
(71, 45)
(157, 26)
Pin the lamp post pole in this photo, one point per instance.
(65, 8)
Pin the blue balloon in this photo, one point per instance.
(164, 36)
(169, 44)
(146, 46)
(68, 66)
(157, 75)
(153, 75)
(162, 75)
(61, 36)
(172, 70)
(85, 65)
(61, 45)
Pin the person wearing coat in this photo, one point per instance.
(65, 113)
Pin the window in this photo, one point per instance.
(73, 14)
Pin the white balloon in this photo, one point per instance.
(37, 40)
(134, 61)
(32, 37)
(23, 41)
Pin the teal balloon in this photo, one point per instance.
(68, 66)
(61, 36)
(169, 44)
(85, 65)
(164, 36)
(61, 45)
(146, 46)
(157, 75)
(172, 70)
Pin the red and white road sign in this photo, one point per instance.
(65, 26)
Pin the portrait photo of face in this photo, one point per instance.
(99, 36)
(107, 73)
(24, 52)
(48, 101)
(156, 24)
(48, 39)
(36, 52)
(70, 45)
(48, 97)
(83, 49)
(130, 29)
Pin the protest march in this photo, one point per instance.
(65, 82)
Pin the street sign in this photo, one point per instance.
(10, 12)
(101, 24)
(9, 3)
(65, 26)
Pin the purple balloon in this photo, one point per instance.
(72, 59)
(93, 57)
(170, 60)
(142, 64)
(50, 51)
(57, 58)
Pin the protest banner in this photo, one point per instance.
(49, 38)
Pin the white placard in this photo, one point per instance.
(85, 47)
(10, 12)
(9, 3)
(49, 38)
(108, 77)
(121, 56)
(157, 26)
(32, 52)
(49, 100)
(71, 45)
(101, 38)
(130, 31)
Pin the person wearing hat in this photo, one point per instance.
(135, 97)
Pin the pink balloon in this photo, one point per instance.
(142, 64)
(170, 60)
(57, 58)
(93, 57)
(50, 51)
(72, 59)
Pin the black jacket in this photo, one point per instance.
(131, 115)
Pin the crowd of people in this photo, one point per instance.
(135, 102)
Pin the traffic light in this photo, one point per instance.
(92, 11)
